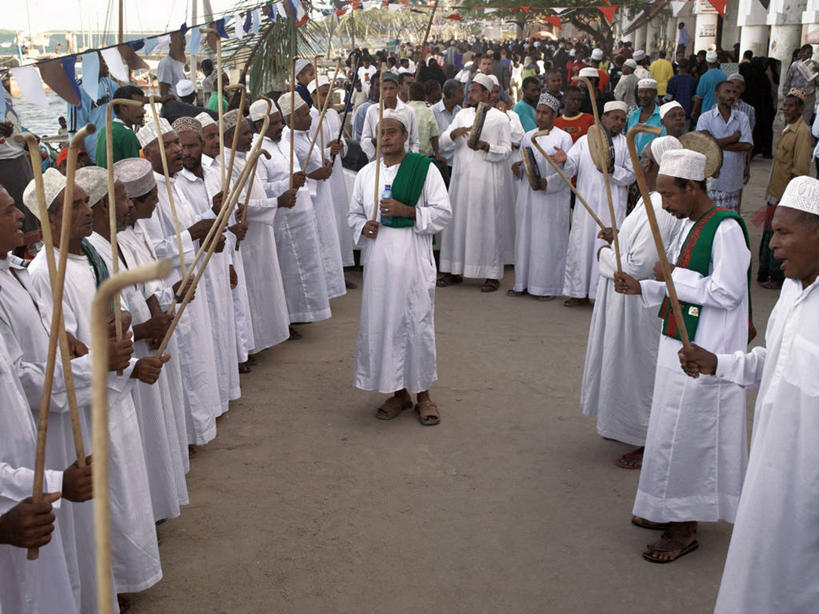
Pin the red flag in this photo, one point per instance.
(340, 12)
(608, 11)
(554, 20)
(454, 17)
(719, 5)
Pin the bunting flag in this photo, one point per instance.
(237, 26)
(719, 5)
(676, 7)
(255, 21)
(559, 10)
(340, 12)
(220, 27)
(554, 20)
(131, 59)
(30, 84)
(195, 41)
(115, 64)
(150, 44)
(91, 74)
(55, 75)
(281, 10)
(183, 29)
(137, 44)
(294, 10)
(4, 96)
(608, 11)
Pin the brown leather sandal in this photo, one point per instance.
(392, 408)
(427, 413)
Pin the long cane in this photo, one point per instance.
(99, 420)
(57, 321)
(378, 140)
(292, 111)
(160, 140)
(348, 94)
(568, 181)
(615, 241)
(655, 229)
(235, 130)
(242, 216)
(324, 108)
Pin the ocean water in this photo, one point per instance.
(41, 121)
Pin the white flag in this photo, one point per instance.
(30, 84)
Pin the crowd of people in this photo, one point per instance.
(501, 154)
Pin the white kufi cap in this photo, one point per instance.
(399, 117)
(597, 55)
(668, 106)
(53, 184)
(258, 110)
(802, 194)
(136, 174)
(683, 163)
(483, 80)
(630, 63)
(184, 87)
(615, 105)
(589, 73)
(550, 101)
(147, 134)
(647, 84)
(322, 81)
(94, 180)
(205, 119)
(711, 57)
(284, 104)
(495, 82)
(639, 55)
(230, 119)
(301, 64)
(659, 146)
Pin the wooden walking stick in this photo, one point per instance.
(99, 420)
(57, 324)
(235, 132)
(378, 140)
(324, 108)
(160, 140)
(568, 181)
(292, 111)
(242, 214)
(424, 43)
(603, 167)
(655, 229)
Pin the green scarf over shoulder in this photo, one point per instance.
(408, 185)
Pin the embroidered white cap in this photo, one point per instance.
(802, 193)
(53, 184)
(683, 163)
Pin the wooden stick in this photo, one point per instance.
(57, 322)
(235, 131)
(348, 93)
(99, 419)
(220, 92)
(655, 229)
(161, 142)
(324, 108)
(378, 139)
(242, 215)
(615, 240)
(426, 37)
(292, 111)
(568, 181)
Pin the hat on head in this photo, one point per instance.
(231, 118)
(550, 101)
(797, 93)
(495, 82)
(399, 117)
(187, 124)
(148, 134)
(484, 81)
(711, 57)
(205, 119)
(184, 87)
(630, 63)
(615, 105)
(668, 106)
(736, 77)
(322, 81)
(659, 146)
(639, 55)
(802, 194)
(94, 180)
(391, 76)
(589, 73)
(136, 174)
(258, 110)
(301, 64)
(683, 163)
(572, 53)
(647, 84)
(284, 104)
(53, 184)
(597, 54)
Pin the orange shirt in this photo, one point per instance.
(576, 126)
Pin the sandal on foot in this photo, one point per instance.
(392, 408)
(575, 302)
(427, 413)
(545, 298)
(631, 460)
(448, 279)
(647, 524)
(244, 367)
(294, 334)
(516, 292)
(668, 545)
(350, 285)
(490, 285)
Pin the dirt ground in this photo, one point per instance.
(306, 504)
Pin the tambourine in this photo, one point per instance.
(601, 148)
(531, 167)
(477, 124)
(707, 145)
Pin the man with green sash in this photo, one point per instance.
(696, 448)
(395, 351)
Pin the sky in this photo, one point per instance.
(159, 15)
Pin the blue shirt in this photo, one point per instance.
(444, 118)
(681, 88)
(706, 88)
(91, 112)
(526, 112)
(733, 162)
(358, 118)
(644, 138)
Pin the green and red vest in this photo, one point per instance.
(408, 185)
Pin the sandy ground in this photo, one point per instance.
(307, 504)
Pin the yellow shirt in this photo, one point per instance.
(662, 71)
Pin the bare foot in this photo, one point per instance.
(631, 460)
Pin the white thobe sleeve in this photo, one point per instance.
(742, 368)
(272, 187)
(436, 211)
(500, 150)
(414, 140)
(554, 182)
(165, 245)
(516, 130)
(368, 133)
(357, 214)
(261, 210)
(572, 164)
(16, 484)
(623, 173)
(445, 138)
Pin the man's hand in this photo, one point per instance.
(335, 147)
(298, 179)
(607, 234)
(459, 132)
(220, 243)
(125, 317)
(658, 270)
(393, 208)
(75, 346)
(6, 128)
(155, 328)
(516, 169)
(179, 291)
(217, 202)
(77, 483)
(696, 360)
(370, 229)
(288, 199)
(626, 284)
(200, 229)
(147, 370)
(322, 173)
(239, 230)
(119, 352)
(542, 183)
(479, 146)
(559, 156)
(27, 524)
(234, 278)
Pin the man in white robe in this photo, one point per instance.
(395, 351)
(774, 553)
(297, 239)
(542, 214)
(621, 354)
(391, 101)
(193, 332)
(696, 449)
(580, 280)
(481, 188)
(134, 545)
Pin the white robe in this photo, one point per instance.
(542, 222)
(774, 553)
(263, 276)
(156, 418)
(215, 283)
(33, 587)
(194, 332)
(322, 195)
(396, 336)
(509, 210)
(621, 354)
(581, 261)
(480, 191)
(297, 239)
(369, 132)
(133, 536)
(696, 448)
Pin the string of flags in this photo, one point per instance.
(60, 73)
